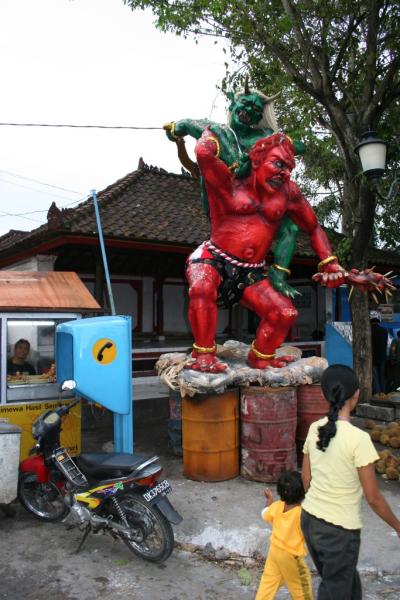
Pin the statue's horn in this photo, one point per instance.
(246, 85)
(271, 98)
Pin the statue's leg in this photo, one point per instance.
(283, 254)
(277, 314)
(285, 242)
(204, 281)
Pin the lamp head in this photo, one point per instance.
(372, 153)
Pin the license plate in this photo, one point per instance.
(161, 489)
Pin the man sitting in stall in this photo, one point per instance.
(17, 364)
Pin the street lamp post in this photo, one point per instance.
(372, 153)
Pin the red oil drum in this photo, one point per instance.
(311, 406)
(268, 432)
(210, 437)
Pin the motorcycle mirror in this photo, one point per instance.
(70, 384)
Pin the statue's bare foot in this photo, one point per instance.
(207, 363)
(262, 363)
(287, 358)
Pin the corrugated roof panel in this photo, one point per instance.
(39, 290)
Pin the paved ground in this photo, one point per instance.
(218, 554)
(37, 562)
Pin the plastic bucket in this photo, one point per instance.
(268, 432)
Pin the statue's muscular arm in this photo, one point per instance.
(301, 212)
(217, 176)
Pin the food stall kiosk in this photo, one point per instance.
(32, 304)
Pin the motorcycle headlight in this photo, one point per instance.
(44, 423)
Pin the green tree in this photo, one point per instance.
(338, 63)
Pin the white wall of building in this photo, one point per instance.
(40, 262)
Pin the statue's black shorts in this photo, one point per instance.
(234, 279)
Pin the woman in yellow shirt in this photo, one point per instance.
(338, 467)
(285, 564)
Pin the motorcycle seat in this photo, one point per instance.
(109, 464)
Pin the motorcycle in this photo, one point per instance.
(116, 493)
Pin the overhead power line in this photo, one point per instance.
(57, 187)
(28, 187)
(76, 126)
(72, 126)
(21, 216)
(24, 214)
(44, 210)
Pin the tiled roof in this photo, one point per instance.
(148, 205)
(11, 238)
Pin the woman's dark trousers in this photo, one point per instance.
(334, 551)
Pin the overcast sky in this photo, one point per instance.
(91, 62)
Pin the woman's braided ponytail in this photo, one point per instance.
(339, 383)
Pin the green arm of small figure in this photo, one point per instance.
(230, 154)
(283, 254)
(184, 127)
(194, 128)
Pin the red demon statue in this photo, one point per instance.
(230, 267)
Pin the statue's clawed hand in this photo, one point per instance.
(278, 280)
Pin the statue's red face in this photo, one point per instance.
(274, 169)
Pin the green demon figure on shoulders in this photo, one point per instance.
(251, 117)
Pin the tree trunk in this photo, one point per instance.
(363, 227)
(363, 223)
(362, 361)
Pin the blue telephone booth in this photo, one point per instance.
(97, 354)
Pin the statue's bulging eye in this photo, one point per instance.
(280, 164)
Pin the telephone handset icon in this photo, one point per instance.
(101, 351)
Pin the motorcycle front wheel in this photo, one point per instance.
(43, 500)
(151, 534)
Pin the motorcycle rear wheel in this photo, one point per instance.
(43, 500)
(152, 537)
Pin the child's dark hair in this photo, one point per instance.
(290, 487)
(339, 383)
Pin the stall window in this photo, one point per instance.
(30, 353)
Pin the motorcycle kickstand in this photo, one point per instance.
(85, 534)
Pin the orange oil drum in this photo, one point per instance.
(268, 432)
(210, 437)
(311, 406)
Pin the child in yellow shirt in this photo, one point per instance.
(285, 564)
